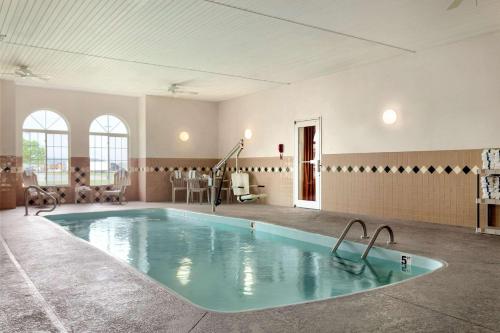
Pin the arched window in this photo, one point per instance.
(45, 147)
(108, 143)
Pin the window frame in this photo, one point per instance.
(109, 135)
(45, 133)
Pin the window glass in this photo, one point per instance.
(108, 149)
(45, 147)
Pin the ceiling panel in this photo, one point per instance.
(225, 48)
(412, 24)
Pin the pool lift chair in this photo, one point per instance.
(240, 181)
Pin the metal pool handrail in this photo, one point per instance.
(215, 197)
(39, 190)
(374, 238)
(346, 230)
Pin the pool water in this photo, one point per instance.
(230, 265)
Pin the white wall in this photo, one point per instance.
(167, 117)
(154, 122)
(7, 118)
(79, 109)
(141, 123)
(446, 98)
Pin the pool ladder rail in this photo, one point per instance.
(374, 238)
(39, 190)
(364, 236)
(346, 230)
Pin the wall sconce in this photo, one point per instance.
(184, 136)
(248, 134)
(389, 116)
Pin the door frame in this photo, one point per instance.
(303, 203)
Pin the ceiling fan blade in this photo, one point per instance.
(183, 83)
(455, 4)
(11, 74)
(186, 92)
(40, 79)
(43, 77)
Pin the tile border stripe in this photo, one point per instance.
(388, 169)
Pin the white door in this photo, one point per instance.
(307, 164)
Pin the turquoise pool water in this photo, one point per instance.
(230, 265)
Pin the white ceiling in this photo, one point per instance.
(140, 47)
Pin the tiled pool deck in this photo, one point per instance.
(51, 281)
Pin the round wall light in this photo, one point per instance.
(248, 134)
(389, 117)
(184, 136)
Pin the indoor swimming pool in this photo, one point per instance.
(229, 264)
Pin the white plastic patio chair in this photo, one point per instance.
(197, 184)
(226, 186)
(120, 186)
(30, 179)
(178, 181)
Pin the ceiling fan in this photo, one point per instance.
(456, 3)
(25, 73)
(176, 88)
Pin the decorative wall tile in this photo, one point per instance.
(96, 195)
(401, 169)
(261, 169)
(374, 183)
(41, 200)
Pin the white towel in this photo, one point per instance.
(491, 158)
(490, 186)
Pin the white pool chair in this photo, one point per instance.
(196, 183)
(240, 184)
(226, 186)
(84, 192)
(120, 186)
(30, 179)
(178, 181)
